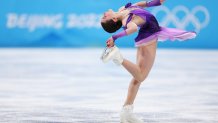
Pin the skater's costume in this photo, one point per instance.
(151, 29)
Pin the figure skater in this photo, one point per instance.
(132, 17)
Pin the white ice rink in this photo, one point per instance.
(74, 86)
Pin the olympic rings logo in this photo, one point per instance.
(191, 17)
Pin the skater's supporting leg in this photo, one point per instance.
(132, 92)
(145, 60)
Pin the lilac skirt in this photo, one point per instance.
(151, 31)
(166, 34)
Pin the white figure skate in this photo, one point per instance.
(112, 53)
(127, 116)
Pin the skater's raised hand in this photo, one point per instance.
(149, 4)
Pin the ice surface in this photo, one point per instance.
(74, 86)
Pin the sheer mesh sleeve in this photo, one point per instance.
(119, 35)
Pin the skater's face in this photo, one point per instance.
(108, 15)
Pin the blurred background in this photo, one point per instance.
(50, 68)
(68, 23)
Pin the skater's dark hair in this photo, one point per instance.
(110, 26)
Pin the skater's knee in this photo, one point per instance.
(136, 82)
(142, 77)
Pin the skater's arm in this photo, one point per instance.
(152, 3)
(131, 28)
(141, 4)
(121, 8)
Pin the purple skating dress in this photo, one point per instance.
(151, 29)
